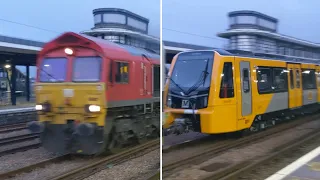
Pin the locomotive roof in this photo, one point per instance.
(265, 56)
(103, 44)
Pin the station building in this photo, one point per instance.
(122, 26)
(258, 33)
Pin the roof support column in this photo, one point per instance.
(13, 84)
(28, 82)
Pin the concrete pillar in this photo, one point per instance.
(13, 85)
(28, 83)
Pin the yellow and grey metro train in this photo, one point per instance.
(215, 91)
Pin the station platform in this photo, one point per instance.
(305, 168)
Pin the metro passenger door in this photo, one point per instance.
(295, 87)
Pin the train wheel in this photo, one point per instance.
(115, 142)
(155, 133)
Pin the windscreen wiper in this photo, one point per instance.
(49, 74)
(201, 80)
(182, 91)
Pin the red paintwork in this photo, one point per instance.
(90, 46)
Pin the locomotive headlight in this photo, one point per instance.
(93, 108)
(68, 51)
(45, 107)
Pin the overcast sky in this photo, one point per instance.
(297, 18)
(57, 16)
(67, 15)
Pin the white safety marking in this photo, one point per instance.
(68, 92)
(295, 165)
(190, 111)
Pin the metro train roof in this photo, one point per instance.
(249, 54)
(104, 45)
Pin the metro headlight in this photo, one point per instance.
(93, 108)
(39, 107)
(169, 101)
(45, 107)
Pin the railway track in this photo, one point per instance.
(96, 166)
(17, 139)
(224, 145)
(20, 149)
(239, 170)
(12, 127)
(155, 175)
(26, 169)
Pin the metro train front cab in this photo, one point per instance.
(200, 92)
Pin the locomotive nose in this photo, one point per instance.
(35, 126)
(85, 129)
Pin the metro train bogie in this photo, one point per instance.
(94, 96)
(214, 91)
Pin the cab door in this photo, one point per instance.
(295, 90)
(246, 95)
(146, 76)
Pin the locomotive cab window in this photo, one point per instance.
(53, 70)
(309, 79)
(226, 86)
(87, 69)
(122, 72)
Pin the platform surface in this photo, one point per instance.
(305, 168)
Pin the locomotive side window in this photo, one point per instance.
(122, 72)
(264, 80)
(291, 79)
(156, 80)
(226, 86)
(280, 79)
(308, 79)
(297, 79)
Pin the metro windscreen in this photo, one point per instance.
(192, 72)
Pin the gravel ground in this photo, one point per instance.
(14, 133)
(244, 153)
(267, 169)
(135, 169)
(21, 159)
(172, 139)
(51, 170)
(20, 144)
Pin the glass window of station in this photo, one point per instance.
(267, 45)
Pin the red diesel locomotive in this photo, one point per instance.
(94, 95)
